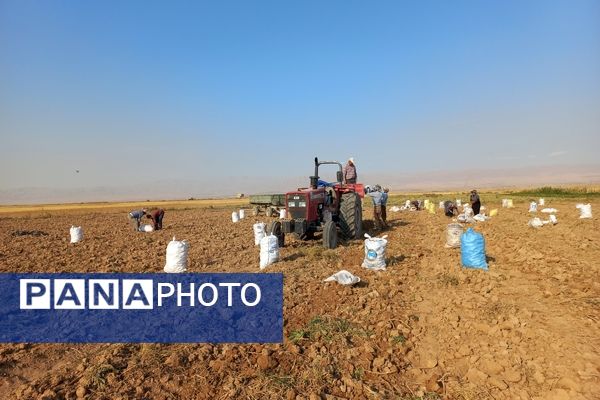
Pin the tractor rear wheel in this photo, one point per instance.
(330, 235)
(350, 217)
(278, 232)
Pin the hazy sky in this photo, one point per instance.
(136, 91)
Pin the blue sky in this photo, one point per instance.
(136, 91)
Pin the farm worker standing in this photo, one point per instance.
(350, 171)
(475, 202)
(384, 199)
(156, 215)
(450, 208)
(135, 217)
(376, 196)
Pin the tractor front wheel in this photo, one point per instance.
(330, 237)
(255, 210)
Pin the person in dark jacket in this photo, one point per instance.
(156, 215)
(475, 201)
(450, 208)
(135, 217)
(384, 199)
(350, 171)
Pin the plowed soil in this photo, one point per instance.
(425, 328)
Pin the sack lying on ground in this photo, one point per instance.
(177, 252)
(76, 234)
(481, 218)
(146, 228)
(394, 209)
(465, 218)
(259, 232)
(472, 250)
(375, 252)
(269, 251)
(343, 277)
(549, 210)
(533, 206)
(585, 210)
(453, 232)
(536, 223)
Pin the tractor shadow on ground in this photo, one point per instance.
(293, 257)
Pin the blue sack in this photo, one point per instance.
(472, 250)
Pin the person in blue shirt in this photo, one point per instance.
(135, 217)
(384, 199)
(376, 196)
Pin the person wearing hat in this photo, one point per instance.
(376, 196)
(350, 171)
(384, 199)
(450, 208)
(136, 217)
(475, 201)
(156, 215)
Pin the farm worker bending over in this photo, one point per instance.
(384, 199)
(450, 208)
(475, 202)
(156, 215)
(135, 217)
(376, 196)
(350, 171)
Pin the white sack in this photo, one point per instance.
(177, 252)
(542, 202)
(146, 228)
(76, 234)
(394, 209)
(235, 217)
(269, 251)
(549, 210)
(536, 222)
(259, 232)
(453, 232)
(585, 210)
(375, 252)
(533, 206)
(283, 214)
(242, 213)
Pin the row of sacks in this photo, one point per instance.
(236, 216)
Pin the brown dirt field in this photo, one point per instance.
(425, 328)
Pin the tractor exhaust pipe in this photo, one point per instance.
(314, 180)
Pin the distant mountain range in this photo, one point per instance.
(397, 181)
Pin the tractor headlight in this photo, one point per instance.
(301, 204)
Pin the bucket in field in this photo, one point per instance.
(76, 234)
(177, 252)
(283, 214)
(585, 210)
(242, 214)
(269, 251)
(375, 252)
(235, 217)
(453, 232)
(259, 232)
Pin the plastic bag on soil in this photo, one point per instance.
(177, 252)
(76, 234)
(472, 250)
(269, 251)
(375, 252)
(585, 210)
(343, 277)
(453, 232)
(259, 232)
(146, 228)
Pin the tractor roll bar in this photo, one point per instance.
(314, 180)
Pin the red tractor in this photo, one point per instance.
(323, 207)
